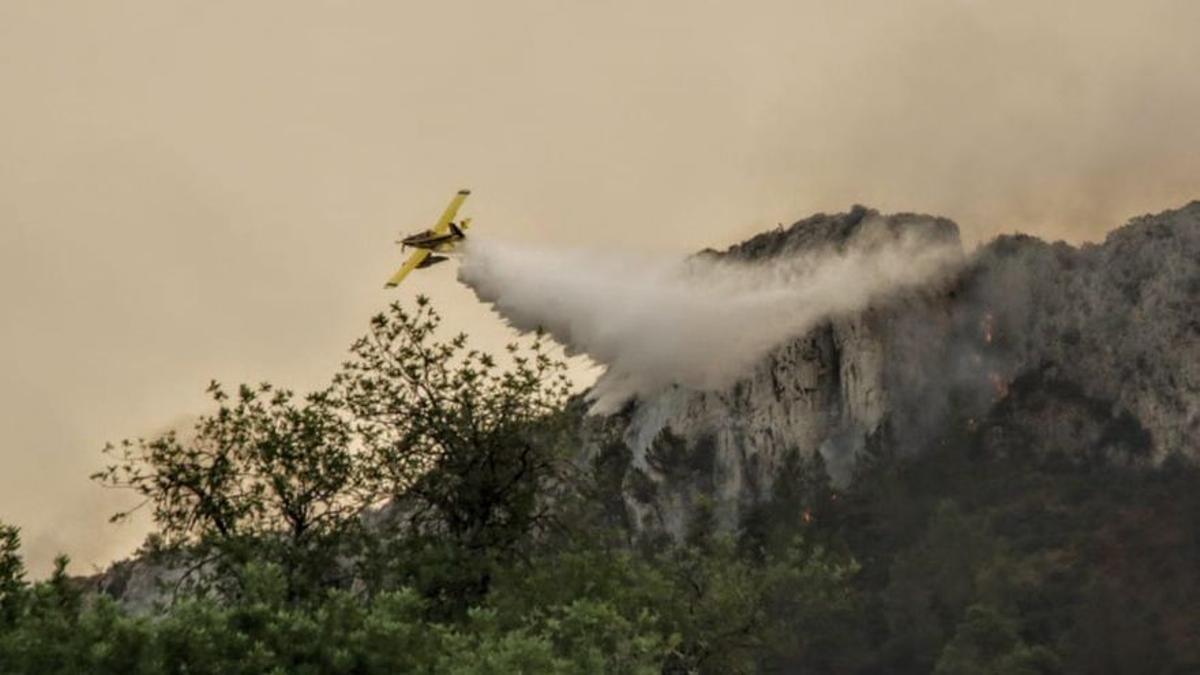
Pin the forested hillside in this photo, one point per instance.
(438, 509)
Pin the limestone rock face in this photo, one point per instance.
(1090, 352)
(143, 584)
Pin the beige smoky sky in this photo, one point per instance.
(196, 189)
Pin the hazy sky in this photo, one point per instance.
(209, 189)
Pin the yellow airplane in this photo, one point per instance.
(441, 238)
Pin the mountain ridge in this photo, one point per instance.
(1080, 351)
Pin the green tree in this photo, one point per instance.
(987, 643)
(933, 582)
(45, 637)
(463, 450)
(469, 449)
(12, 574)
(266, 475)
(708, 609)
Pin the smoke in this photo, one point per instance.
(700, 322)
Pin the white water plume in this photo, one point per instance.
(700, 322)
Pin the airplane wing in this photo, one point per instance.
(409, 265)
(443, 224)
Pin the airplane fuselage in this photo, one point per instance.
(428, 240)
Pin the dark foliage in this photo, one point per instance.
(426, 513)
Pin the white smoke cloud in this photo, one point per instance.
(697, 322)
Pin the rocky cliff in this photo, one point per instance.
(1079, 353)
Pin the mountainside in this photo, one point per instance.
(1070, 353)
(993, 473)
